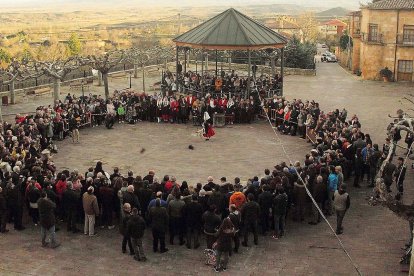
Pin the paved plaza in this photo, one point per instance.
(373, 235)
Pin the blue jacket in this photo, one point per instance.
(333, 182)
(364, 153)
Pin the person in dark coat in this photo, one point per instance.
(192, 213)
(211, 222)
(3, 212)
(144, 196)
(158, 219)
(131, 198)
(123, 228)
(280, 205)
(319, 192)
(218, 199)
(235, 219)
(388, 174)
(70, 202)
(136, 228)
(175, 214)
(33, 196)
(400, 175)
(265, 201)
(47, 220)
(300, 200)
(15, 202)
(107, 196)
(250, 213)
(224, 237)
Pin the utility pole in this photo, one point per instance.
(179, 23)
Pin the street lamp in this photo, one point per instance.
(130, 79)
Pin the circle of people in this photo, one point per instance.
(223, 212)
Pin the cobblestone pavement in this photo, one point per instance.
(373, 235)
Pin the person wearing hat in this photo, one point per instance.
(91, 209)
(341, 204)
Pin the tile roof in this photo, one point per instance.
(230, 28)
(392, 5)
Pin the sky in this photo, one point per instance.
(179, 3)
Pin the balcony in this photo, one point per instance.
(406, 40)
(372, 38)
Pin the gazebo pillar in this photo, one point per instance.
(207, 61)
(185, 60)
(282, 65)
(176, 68)
(202, 73)
(248, 74)
(216, 64)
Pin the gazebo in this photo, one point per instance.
(231, 31)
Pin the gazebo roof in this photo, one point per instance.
(231, 30)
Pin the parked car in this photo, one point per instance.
(328, 57)
(331, 58)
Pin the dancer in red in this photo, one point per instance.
(208, 130)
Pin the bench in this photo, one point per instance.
(42, 91)
(119, 75)
(78, 86)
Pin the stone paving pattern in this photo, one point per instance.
(373, 235)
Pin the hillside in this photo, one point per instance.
(334, 12)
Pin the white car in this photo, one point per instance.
(331, 58)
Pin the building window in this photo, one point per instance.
(373, 33)
(405, 70)
(408, 34)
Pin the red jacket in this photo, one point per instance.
(60, 188)
(190, 99)
(223, 103)
(174, 106)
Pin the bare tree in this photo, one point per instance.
(104, 64)
(57, 70)
(139, 57)
(165, 54)
(17, 71)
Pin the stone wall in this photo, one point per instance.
(376, 56)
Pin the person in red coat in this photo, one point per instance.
(174, 106)
(223, 104)
(208, 130)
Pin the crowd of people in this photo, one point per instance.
(229, 83)
(224, 213)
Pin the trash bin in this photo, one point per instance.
(5, 100)
(219, 120)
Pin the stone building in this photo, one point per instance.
(383, 36)
(332, 27)
(285, 25)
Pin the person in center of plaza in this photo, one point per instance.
(208, 130)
